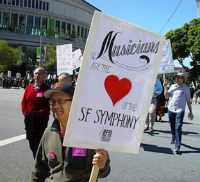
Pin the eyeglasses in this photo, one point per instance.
(59, 101)
(38, 74)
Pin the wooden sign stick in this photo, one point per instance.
(94, 173)
(163, 77)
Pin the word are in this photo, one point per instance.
(100, 67)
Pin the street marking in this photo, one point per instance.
(12, 140)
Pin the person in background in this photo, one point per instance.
(65, 77)
(161, 101)
(151, 117)
(76, 77)
(197, 94)
(60, 163)
(191, 92)
(180, 95)
(36, 110)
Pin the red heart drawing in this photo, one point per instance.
(116, 88)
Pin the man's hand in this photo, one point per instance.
(100, 158)
(164, 84)
(190, 115)
(165, 90)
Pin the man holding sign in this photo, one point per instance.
(65, 163)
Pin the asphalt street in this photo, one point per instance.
(156, 161)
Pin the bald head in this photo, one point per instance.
(39, 75)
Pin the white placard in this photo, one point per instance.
(9, 74)
(54, 76)
(115, 86)
(64, 59)
(166, 63)
(18, 75)
(77, 59)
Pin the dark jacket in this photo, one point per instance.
(59, 164)
(34, 125)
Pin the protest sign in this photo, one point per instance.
(166, 63)
(115, 86)
(64, 59)
(76, 59)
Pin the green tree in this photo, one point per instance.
(185, 42)
(50, 60)
(8, 56)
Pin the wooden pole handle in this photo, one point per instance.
(163, 77)
(94, 173)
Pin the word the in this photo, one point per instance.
(129, 106)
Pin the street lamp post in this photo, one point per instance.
(198, 5)
(40, 49)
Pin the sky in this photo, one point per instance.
(158, 16)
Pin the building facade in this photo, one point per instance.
(29, 23)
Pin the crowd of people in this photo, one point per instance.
(12, 82)
(17, 83)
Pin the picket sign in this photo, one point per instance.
(115, 86)
(64, 59)
(76, 59)
(167, 62)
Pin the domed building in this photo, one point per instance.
(29, 24)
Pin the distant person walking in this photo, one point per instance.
(151, 117)
(36, 110)
(180, 95)
(197, 94)
(191, 92)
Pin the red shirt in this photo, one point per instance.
(35, 100)
(62, 132)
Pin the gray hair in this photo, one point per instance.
(66, 75)
(43, 70)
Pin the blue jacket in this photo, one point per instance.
(158, 88)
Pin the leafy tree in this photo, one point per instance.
(8, 56)
(185, 42)
(50, 60)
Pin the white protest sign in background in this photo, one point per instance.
(9, 74)
(18, 75)
(77, 59)
(64, 59)
(166, 63)
(115, 86)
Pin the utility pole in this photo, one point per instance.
(198, 5)
(40, 49)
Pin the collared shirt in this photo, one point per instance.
(179, 95)
(37, 87)
(157, 88)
